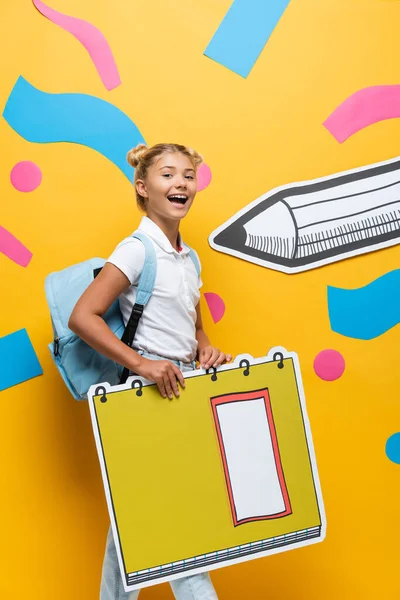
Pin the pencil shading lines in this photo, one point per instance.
(91, 38)
(309, 224)
(41, 117)
(243, 33)
(362, 109)
(366, 312)
(14, 249)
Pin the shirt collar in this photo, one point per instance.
(154, 232)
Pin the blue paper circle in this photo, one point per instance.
(393, 448)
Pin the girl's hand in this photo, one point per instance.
(212, 357)
(164, 373)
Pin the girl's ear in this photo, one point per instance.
(141, 188)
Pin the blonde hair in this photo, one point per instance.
(141, 158)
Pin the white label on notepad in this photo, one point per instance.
(249, 453)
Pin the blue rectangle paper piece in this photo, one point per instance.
(18, 360)
(243, 33)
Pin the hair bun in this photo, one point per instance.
(133, 157)
(196, 157)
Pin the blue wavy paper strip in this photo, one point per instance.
(243, 33)
(367, 312)
(76, 118)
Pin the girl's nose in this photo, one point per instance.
(181, 182)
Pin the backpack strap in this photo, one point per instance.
(195, 260)
(144, 291)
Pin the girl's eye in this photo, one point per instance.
(167, 174)
(189, 177)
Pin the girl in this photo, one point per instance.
(170, 334)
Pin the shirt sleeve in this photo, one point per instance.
(129, 257)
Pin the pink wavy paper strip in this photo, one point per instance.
(14, 249)
(363, 108)
(91, 38)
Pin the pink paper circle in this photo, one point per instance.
(26, 176)
(216, 306)
(204, 177)
(329, 365)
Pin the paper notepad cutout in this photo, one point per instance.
(166, 483)
(252, 464)
(306, 225)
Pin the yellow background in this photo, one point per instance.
(255, 134)
(165, 470)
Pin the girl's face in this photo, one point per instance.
(170, 186)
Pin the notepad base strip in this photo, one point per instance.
(181, 566)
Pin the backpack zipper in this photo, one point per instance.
(56, 346)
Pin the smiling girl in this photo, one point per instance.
(170, 335)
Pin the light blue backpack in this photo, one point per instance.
(79, 364)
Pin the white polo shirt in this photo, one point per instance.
(168, 324)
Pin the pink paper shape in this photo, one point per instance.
(14, 249)
(329, 365)
(204, 177)
(363, 108)
(216, 306)
(91, 38)
(25, 176)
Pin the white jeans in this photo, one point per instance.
(194, 587)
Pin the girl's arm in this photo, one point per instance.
(87, 322)
(208, 356)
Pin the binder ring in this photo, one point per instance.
(140, 385)
(102, 389)
(244, 361)
(280, 356)
(214, 375)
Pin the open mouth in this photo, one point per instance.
(180, 199)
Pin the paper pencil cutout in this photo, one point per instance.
(305, 225)
(224, 474)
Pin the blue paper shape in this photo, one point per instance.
(393, 448)
(77, 118)
(18, 360)
(367, 312)
(243, 33)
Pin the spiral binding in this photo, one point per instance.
(136, 383)
(99, 390)
(214, 375)
(244, 363)
(246, 372)
(140, 385)
(280, 363)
